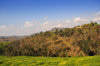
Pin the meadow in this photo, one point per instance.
(50, 61)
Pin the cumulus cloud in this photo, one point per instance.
(96, 19)
(97, 14)
(77, 19)
(58, 26)
(47, 25)
(25, 29)
(50, 24)
(45, 18)
(28, 24)
(36, 26)
(3, 27)
(68, 21)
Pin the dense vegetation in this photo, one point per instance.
(82, 40)
(2, 47)
(49, 61)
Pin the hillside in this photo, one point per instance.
(49, 61)
(82, 40)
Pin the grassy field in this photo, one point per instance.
(49, 61)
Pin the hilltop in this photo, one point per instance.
(82, 40)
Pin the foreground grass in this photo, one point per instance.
(49, 61)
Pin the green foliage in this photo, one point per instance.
(68, 32)
(54, 37)
(49, 61)
(84, 46)
(47, 33)
(2, 47)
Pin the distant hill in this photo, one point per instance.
(56, 28)
(82, 40)
(9, 38)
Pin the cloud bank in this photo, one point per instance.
(36, 26)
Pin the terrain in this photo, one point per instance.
(49, 61)
(78, 46)
(81, 40)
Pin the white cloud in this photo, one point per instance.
(97, 14)
(96, 18)
(35, 26)
(45, 18)
(77, 19)
(50, 24)
(3, 27)
(80, 19)
(59, 26)
(28, 24)
(68, 21)
(47, 25)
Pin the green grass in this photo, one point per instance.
(49, 61)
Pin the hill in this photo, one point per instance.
(82, 40)
(9, 38)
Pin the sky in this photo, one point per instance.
(25, 17)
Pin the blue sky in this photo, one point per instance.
(33, 12)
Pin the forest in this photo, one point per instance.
(81, 40)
